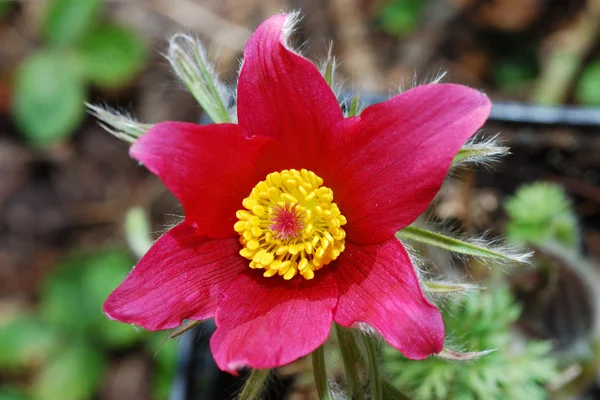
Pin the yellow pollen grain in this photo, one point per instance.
(289, 225)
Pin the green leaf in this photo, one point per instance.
(165, 363)
(103, 273)
(400, 17)
(588, 88)
(64, 304)
(541, 212)
(3, 7)
(68, 20)
(8, 393)
(456, 245)
(112, 55)
(49, 96)
(481, 321)
(513, 73)
(24, 341)
(72, 297)
(74, 374)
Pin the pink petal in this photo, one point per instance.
(268, 322)
(386, 166)
(378, 286)
(181, 277)
(282, 95)
(209, 168)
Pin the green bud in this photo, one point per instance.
(189, 60)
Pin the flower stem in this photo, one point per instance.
(391, 393)
(373, 365)
(351, 357)
(320, 373)
(254, 384)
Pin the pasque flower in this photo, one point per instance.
(290, 214)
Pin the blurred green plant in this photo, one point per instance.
(3, 8)
(588, 87)
(515, 65)
(49, 96)
(68, 343)
(515, 74)
(79, 50)
(137, 231)
(10, 393)
(399, 17)
(541, 212)
(482, 321)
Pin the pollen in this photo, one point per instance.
(290, 225)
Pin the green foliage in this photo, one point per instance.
(101, 276)
(482, 322)
(74, 374)
(69, 339)
(72, 298)
(68, 20)
(111, 55)
(49, 96)
(8, 393)
(51, 85)
(512, 73)
(3, 8)
(165, 362)
(588, 88)
(24, 341)
(541, 212)
(400, 17)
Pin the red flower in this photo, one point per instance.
(311, 196)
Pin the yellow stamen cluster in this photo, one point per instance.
(290, 225)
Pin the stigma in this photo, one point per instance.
(290, 225)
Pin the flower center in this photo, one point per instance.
(290, 225)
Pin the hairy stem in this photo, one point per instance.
(351, 358)
(373, 366)
(320, 373)
(255, 384)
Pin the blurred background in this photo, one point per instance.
(76, 212)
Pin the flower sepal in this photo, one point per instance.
(119, 124)
(453, 355)
(474, 248)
